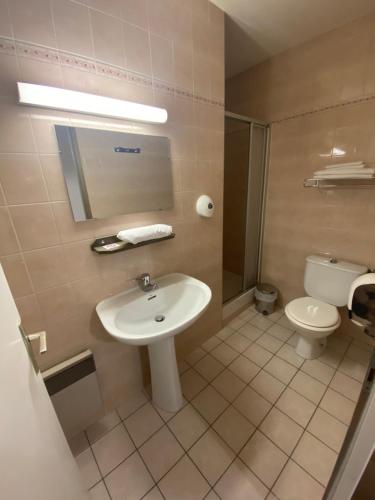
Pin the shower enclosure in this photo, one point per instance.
(245, 148)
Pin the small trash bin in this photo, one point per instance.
(265, 298)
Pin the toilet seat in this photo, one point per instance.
(313, 314)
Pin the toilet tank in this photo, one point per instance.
(330, 281)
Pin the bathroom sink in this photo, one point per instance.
(141, 318)
(153, 318)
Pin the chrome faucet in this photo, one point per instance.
(145, 283)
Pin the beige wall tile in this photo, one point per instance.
(15, 130)
(39, 72)
(8, 240)
(81, 260)
(6, 28)
(112, 7)
(135, 12)
(53, 175)
(47, 267)
(161, 15)
(107, 35)
(21, 178)
(9, 74)
(57, 302)
(183, 66)
(32, 21)
(31, 316)
(41, 232)
(17, 276)
(72, 26)
(70, 230)
(137, 49)
(162, 58)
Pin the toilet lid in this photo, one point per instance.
(313, 312)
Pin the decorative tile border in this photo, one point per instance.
(336, 105)
(54, 56)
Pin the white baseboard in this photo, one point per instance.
(238, 303)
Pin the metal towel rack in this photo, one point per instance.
(339, 183)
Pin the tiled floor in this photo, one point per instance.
(259, 422)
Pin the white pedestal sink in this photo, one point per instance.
(153, 319)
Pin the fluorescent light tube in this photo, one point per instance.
(70, 100)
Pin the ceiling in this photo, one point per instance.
(259, 29)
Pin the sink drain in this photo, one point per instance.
(159, 318)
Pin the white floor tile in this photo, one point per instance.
(308, 387)
(264, 458)
(234, 428)
(328, 429)
(267, 386)
(184, 481)
(296, 406)
(280, 369)
(129, 480)
(338, 406)
(282, 430)
(224, 354)
(192, 383)
(252, 406)
(244, 368)
(211, 455)
(240, 483)
(288, 353)
(102, 426)
(211, 343)
(210, 404)
(346, 386)
(228, 385)
(280, 332)
(111, 449)
(257, 354)
(99, 492)
(318, 370)
(88, 468)
(251, 332)
(161, 452)
(294, 480)
(132, 403)
(193, 357)
(238, 342)
(143, 423)
(188, 426)
(209, 367)
(316, 458)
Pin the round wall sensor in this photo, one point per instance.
(205, 206)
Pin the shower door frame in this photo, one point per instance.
(253, 122)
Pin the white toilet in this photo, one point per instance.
(327, 282)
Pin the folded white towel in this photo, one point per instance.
(139, 234)
(354, 171)
(345, 176)
(358, 164)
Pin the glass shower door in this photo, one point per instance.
(236, 171)
(244, 170)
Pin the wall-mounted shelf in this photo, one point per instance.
(339, 183)
(112, 244)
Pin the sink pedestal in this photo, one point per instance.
(165, 380)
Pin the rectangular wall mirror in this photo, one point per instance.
(113, 173)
